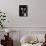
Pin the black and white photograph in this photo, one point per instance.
(23, 10)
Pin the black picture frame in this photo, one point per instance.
(23, 10)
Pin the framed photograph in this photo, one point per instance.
(23, 10)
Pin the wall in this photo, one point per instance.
(11, 7)
(36, 13)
